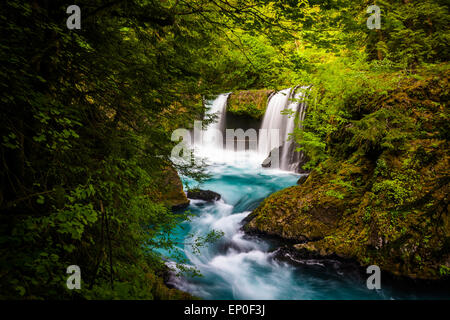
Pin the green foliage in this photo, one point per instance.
(85, 121)
(395, 191)
(334, 193)
(412, 32)
(444, 270)
(199, 242)
(336, 88)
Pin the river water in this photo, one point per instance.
(239, 266)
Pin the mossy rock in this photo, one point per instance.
(168, 190)
(251, 103)
(380, 199)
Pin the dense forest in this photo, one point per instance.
(87, 117)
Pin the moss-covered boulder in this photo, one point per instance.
(251, 103)
(205, 195)
(382, 197)
(168, 189)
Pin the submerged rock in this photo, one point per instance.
(206, 195)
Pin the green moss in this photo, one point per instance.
(168, 189)
(444, 270)
(334, 193)
(251, 103)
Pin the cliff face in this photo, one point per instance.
(382, 195)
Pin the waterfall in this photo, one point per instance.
(287, 99)
(211, 143)
(212, 137)
(273, 119)
(290, 159)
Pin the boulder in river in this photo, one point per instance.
(206, 195)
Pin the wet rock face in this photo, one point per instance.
(206, 195)
(302, 179)
(267, 163)
(180, 206)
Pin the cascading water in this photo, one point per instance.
(274, 132)
(290, 158)
(287, 99)
(212, 142)
(212, 137)
(273, 119)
